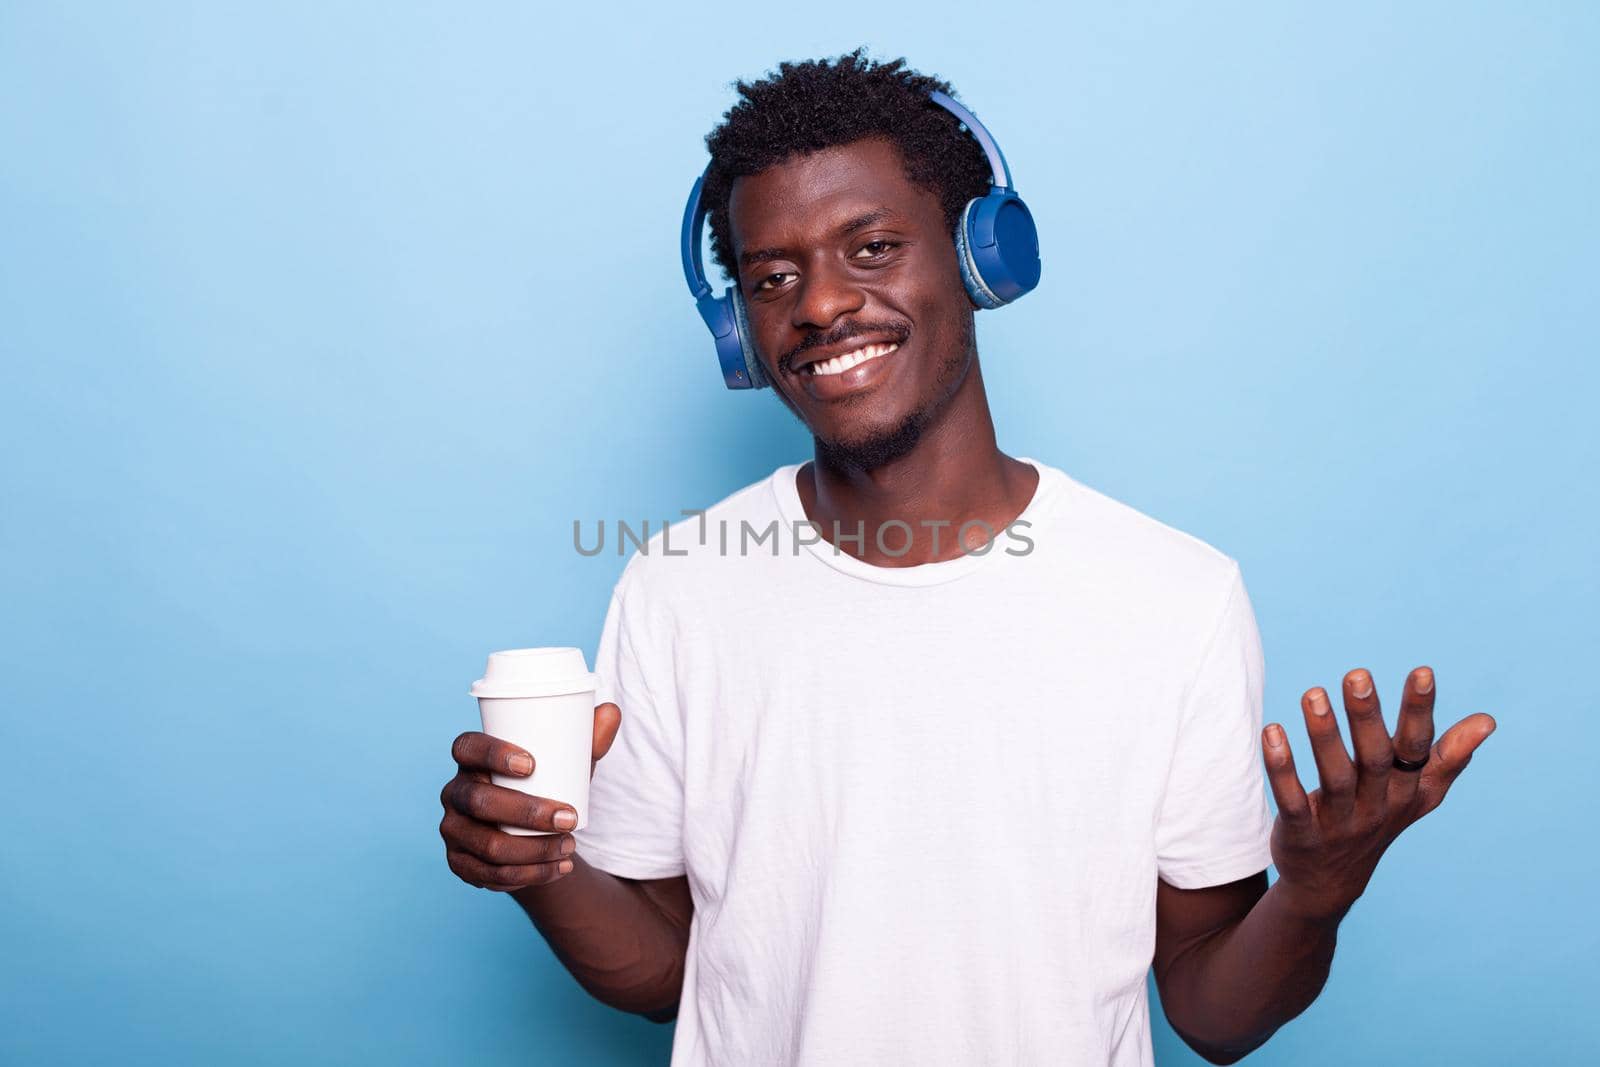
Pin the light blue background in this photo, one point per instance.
(321, 323)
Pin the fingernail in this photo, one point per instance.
(565, 867)
(1361, 685)
(567, 845)
(1424, 681)
(520, 763)
(1275, 736)
(566, 819)
(1319, 702)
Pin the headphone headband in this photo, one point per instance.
(693, 216)
(997, 162)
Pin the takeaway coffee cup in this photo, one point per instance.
(542, 699)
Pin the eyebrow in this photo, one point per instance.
(860, 222)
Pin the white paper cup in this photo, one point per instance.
(542, 699)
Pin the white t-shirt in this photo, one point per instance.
(922, 810)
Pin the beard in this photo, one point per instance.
(878, 449)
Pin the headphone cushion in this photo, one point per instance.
(971, 274)
(745, 340)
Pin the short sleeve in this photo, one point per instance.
(1215, 825)
(635, 823)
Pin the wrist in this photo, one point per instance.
(1309, 906)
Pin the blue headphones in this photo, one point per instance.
(997, 248)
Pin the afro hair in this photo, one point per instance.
(819, 104)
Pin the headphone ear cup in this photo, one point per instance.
(745, 340)
(1000, 245)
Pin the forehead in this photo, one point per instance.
(802, 200)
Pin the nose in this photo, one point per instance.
(825, 294)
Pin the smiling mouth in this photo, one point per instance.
(840, 364)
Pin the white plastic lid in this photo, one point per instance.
(534, 672)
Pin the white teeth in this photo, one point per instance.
(840, 364)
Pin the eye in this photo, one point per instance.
(762, 284)
(881, 245)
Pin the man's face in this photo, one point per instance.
(838, 250)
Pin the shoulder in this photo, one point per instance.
(1143, 555)
(695, 555)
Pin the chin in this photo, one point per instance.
(866, 448)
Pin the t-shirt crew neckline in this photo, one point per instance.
(787, 495)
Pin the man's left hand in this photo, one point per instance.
(1326, 845)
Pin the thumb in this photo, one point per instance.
(607, 720)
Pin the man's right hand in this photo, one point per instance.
(478, 851)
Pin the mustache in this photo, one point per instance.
(900, 331)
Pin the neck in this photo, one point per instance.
(956, 474)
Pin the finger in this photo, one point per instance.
(474, 871)
(482, 752)
(500, 849)
(1374, 751)
(447, 794)
(1451, 756)
(1413, 736)
(1293, 807)
(1337, 773)
(496, 804)
(607, 719)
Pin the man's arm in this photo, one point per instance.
(624, 940)
(1235, 962)
(673, 900)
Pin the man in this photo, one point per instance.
(928, 753)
